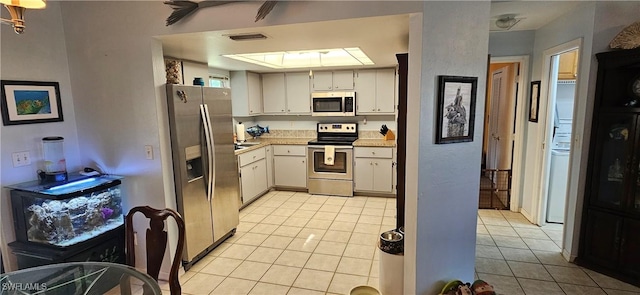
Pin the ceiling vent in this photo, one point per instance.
(245, 37)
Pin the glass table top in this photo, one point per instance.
(78, 278)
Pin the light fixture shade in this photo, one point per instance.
(506, 22)
(31, 4)
(306, 58)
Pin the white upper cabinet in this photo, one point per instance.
(333, 81)
(274, 93)
(298, 93)
(246, 94)
(286, 93)
(376, 91)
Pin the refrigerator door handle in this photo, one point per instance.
(211, 146)
(204, 114)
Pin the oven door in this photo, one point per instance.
(342, 167)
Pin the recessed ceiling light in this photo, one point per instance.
(306, 58)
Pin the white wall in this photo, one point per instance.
(557, 32)
(40, 54)
(454, 42)
(511, 43)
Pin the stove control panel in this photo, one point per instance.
(337, 128)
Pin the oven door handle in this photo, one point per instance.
(337, 147)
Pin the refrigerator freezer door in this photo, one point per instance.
(226, 196)
(187, 130)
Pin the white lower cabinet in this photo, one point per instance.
(253, 174)
(289, 165)
(269, 159)
(373, 169)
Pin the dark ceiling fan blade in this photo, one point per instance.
(266, 7)
(183, 8)
(180, 10)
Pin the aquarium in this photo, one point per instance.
(66, 213)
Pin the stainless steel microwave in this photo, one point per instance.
(334, 103)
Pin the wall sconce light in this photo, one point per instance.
(16, 9)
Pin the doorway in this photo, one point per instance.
(501, 138)
(542, 143)
(561, 100)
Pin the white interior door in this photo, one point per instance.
(500, 122)
(494, 116)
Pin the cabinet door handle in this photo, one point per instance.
(376, 163)
(378, 110)
(616, 240)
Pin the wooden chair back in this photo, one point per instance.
(156, 238)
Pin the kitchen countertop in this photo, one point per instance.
(374, 143)
(303, 141)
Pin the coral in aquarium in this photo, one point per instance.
(70, 221)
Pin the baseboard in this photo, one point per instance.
(526, 215)
(374, 194)
(290, 189)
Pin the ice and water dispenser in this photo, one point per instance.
(194, 162)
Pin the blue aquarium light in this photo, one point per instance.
(57, 187)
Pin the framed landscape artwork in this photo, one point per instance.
(455, 109)
(29, 102)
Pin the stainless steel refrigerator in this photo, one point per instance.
(204, 166)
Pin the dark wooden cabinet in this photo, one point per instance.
(630, 247)
(601, 238)
(610, 233)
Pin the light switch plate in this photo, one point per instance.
(20, 159)
(148, 150)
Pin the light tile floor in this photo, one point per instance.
(296, 243)
(518, 257)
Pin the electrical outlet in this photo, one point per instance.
(21, 159)
(148, 150)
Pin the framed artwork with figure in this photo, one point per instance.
(455, 109)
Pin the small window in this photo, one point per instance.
(218, 81)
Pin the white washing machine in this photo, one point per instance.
(558, 177)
